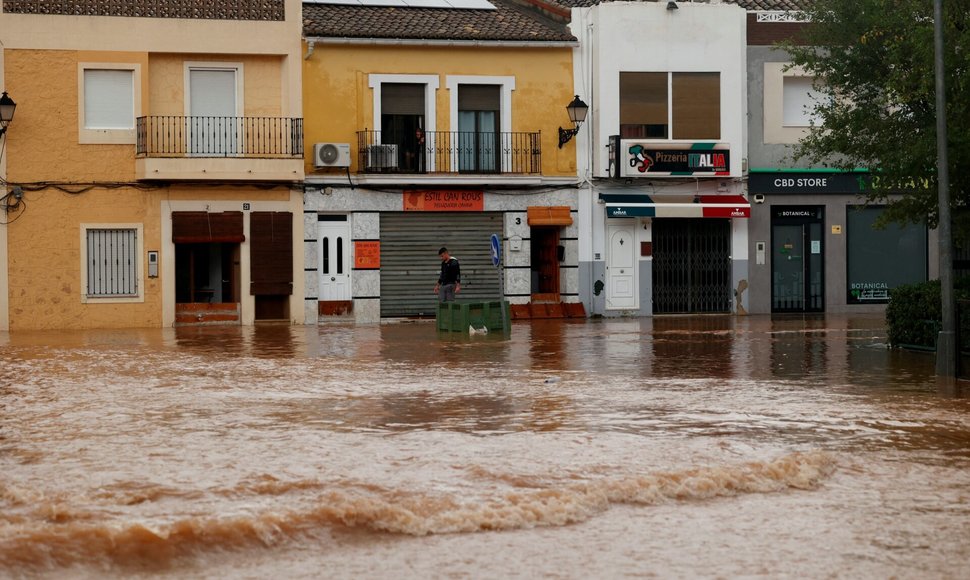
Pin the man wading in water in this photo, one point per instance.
(449, 282)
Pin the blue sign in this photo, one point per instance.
(496, 250)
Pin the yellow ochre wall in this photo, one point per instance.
(262, 82)
(338, 102)
(44, 238)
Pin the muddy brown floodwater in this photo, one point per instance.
(678, 447)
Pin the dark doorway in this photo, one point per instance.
(797, 264)
(207, 273)
(545, 257)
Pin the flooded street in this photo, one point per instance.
(668, 447)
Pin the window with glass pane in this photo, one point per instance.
(696, 103)
(112, 256)
(109, 99)
(478, 128)
(643, 105)
(878, 260)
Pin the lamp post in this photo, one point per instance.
(7, 108)
(576, 110)
(946, 347)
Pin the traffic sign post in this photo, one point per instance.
(496, 248)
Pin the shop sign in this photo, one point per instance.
(367, 255)
(444, 200)
(807, 182)
(797, 212)
(639, 159)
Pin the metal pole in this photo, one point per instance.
(946, 347)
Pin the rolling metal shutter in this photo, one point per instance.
(410, 265)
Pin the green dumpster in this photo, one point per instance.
(460, 316)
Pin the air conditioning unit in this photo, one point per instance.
(331, 155)
(382, 157)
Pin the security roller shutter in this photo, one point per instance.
(410, 265)
(402, 99)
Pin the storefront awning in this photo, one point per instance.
(689, 206)
(549, 216)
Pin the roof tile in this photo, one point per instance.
(508, 22)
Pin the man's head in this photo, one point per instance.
(443, 254)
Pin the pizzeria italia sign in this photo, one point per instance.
(633, 158)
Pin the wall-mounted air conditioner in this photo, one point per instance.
(331, 155)
(382, 157)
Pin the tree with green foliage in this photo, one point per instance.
(873, 62)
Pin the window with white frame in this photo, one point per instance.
(109, 101)
(110, 263)
(799, 101)
(404, 123)
(480, 109)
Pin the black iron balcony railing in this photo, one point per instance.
(449, 152)
(255, 137)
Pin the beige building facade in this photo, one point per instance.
(153, 173)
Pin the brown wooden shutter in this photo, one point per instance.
(271, 253)
(200, 227)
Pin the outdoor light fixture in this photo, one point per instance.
(7, 107)
(577, 114)
(671, 5)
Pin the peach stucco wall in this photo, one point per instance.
(338, 101)
(68, 184)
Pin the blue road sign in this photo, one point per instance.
(496, 250)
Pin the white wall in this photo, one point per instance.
(646, 37)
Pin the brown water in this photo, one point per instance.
(668, 447)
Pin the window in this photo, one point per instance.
(661, 105)
(403, 122)
(214, 105)
(402, 125)
(799, 101)
(110, 265)
(788, 100)
(481, 117)
(109, 100)
(478, 128)
(879, 260)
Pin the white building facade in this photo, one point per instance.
(663, 214)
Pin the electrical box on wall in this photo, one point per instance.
(759, 253)
(153, 264)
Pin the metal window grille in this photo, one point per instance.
(112, 260)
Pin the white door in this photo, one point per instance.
(621, 287)
(334, 260)
(213, 124)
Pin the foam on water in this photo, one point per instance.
(52, 533)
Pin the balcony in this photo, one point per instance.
(219, 148)
(449, 153)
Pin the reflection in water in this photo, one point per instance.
(255, 451)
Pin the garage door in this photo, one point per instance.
(410, 263)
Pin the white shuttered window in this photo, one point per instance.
(112, 256)
(109, 99)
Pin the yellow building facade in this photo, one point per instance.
(152, 174)
(429, 128)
